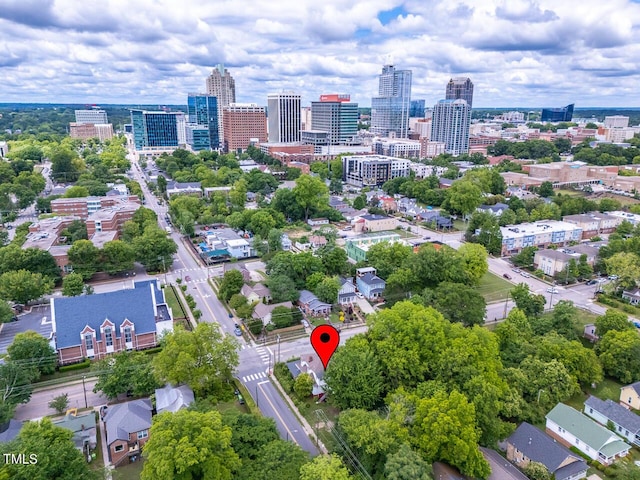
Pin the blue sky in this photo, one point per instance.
(517, 52)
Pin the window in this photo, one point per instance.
(629, 401)
(88, 341)
(577, 442)
(591, 410)
(118, 448)
(108, 337)
(127, 334)
(143, 434)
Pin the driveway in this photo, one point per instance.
(39, 320)
(365, 306)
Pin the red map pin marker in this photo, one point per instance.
(325, 340)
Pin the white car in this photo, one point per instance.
(359, 295)
(552, 290)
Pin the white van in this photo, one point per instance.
(168, 229)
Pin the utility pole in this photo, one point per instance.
(278, 348)
(86, 405)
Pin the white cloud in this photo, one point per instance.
(517, 52)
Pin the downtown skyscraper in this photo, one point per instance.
(336, 115)
(390, 109)
(220, 84)
(203, 110)
(460, 88)
(284, 117)
(451, 117)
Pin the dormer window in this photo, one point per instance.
(108, 337)
(127, 335)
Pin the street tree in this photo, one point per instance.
(60, 403)
(484, 229)
(230, 285)
(125, 372)
(72, 285)
(626, 265)
(6, 312)
(311, 194)
(84, 257)
(619, 354)
(406, 464)
(22, 286)
(31, 350)
(204, 447)
(117, 257)
(154, 249)
(249, 433)
(354, 376)
(458, 303)
(325, 467)
(53, 447)
(524, 258)
(277, 459)
(204, 359)
(474, 261)
(530, 304)
(612, 320)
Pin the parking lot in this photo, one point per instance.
(39, 320)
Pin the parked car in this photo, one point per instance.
(552, 290)
(613, 277)
(636, 324)
(592, 282)
(187, 278)
(507, 276)
(359, 295)
(516, 270)
(240, 397)
(237, 330)
(525, 274)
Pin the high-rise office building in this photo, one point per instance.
(460, 88)
(154, 129)
(564, 114)
(283, 114)
(336, 115)
(450, 125)
(417, 109)
(91, 116)
(390, 109)
(221, 85)
(203, 110)
(243, 123)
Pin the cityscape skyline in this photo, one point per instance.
(526, 53)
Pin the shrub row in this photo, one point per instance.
(75, 366)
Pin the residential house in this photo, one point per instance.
(388, 204)
(83, 428)
(607, 412)
(439, 221)
(127, 426)
(370, 285)
(226, 239)
(500, 470)
(172, 399)
(311, 305)
(573, 429)
(310, 363)
(347, 292)
(497, 209)
(444, 183)
(630, 396)
(285, 242)
(263, 312)
(316, 222)
(258, 293)
(317, 241)
(528, 444)
(246, 274)
(590, 332)
(94, 326)
(632, 296)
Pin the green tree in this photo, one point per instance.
(262, 223)
(406, 464)
(360, 202)
(311, 193)
(60, 403)
(154, 249)
(282, 317)
(612, 320)
(57, 456)
(15, 387)
(531, 305)
(581, 362)
(334, 260)
(230, 284)
(321, 168)
(354, 376)
(125, 372)
(474, 261)
(303, 386)
(484, 229)
(324, 467)
(564, 319)
(462, 198)
(458, 303)
(626, 266)
(72, 285)
(545, 189)
(277, 459)
(619, 354)
(6, 312)
(249, 433)
(32, 350)
(387, 257)
(84, 256)
(204, 358)
(444, 429)
(76, 192)
(22, 286)
(204, 447)
(117, 257)
(525, 257)
(327, 290)
(283, 289)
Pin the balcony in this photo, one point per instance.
(134, 447)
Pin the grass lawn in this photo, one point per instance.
(460, 225)
(608, 389)
(493, 288)
(173, 302)
(570, 193)
(128, 472)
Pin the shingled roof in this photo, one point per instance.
(125, 418)
(614, 412)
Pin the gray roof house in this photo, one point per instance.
(311, 305)
(497, 209)
(625, 422)
(127, 426)
(347, 292)
(186, 188)
(528, 444)
(370, 285)
(172, 399)
(573, 429)
(263, 312)
(83, 428)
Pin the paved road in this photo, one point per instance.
(39, 320)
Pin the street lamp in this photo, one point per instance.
(257, 401)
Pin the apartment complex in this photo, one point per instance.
(402, 148)
(390, 109)
(593, 224)
(372, 170)
(84, 206)
(284, 114)
(244, 124)
(539, 234)
(450, 125)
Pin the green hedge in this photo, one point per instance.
(75, 366)
(153, 350)
(283, 375)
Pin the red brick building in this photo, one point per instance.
(242, 125)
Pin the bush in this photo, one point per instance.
(197, 314)
(153, 350)
(255, 327)
(76, 366)
(183, 288)
(282, 373)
